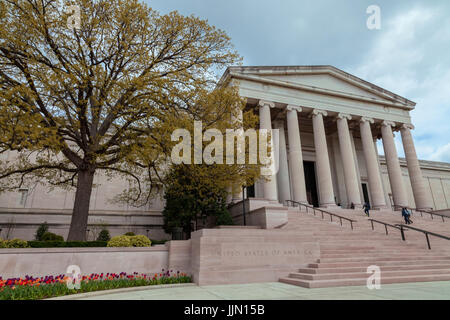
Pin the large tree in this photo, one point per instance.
(102, 95)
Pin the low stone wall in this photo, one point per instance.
(259, 212)
(54, 261)
(248, 255)
(15, 223)
(213, 256)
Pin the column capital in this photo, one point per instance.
(316, 112)
(408, 126)
(387, 123)
(263, 103)
(344, 116)
(291, 107)
(366, 119)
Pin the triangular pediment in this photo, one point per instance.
(326, 79)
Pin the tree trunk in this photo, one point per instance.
(80, 212)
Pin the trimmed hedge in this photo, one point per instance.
(155, 242)
(69, 244)
(72, 244)
(49, 236)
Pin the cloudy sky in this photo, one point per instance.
(409, 55)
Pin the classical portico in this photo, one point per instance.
(329, 124)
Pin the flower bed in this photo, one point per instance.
(30, 288)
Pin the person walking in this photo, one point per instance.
(366, 208)
(406, 215)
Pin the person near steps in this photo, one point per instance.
(406, 215)
(366, 208)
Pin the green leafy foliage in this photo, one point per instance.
(120, 241)
(68, 244)
(105, 96)
(104, 235)
(43, 228)
(49, 236)
(140, 241)
(130, 241)
(130, 234)
(191, 195)
(15, 243)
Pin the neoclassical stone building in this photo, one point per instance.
(329, 122)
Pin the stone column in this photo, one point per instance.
(265, 122)
(373, 172)
(348, 162)
(393, 165)
(284, 189)
(295, 155)
(326, 194)
(421, 193)
(237, 189)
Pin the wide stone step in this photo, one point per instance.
(362, 274)
(378, 254)
(364, 268)
(363, 281)
(382, 258)
(356, 241)
(378, 263)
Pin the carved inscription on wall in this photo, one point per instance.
(262, 253)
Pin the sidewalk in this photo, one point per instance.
(280, 291)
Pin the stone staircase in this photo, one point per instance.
(346, 254)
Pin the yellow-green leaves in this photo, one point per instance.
(107, 94)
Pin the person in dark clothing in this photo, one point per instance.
(352, 206)
(366, 208)
(406, 215)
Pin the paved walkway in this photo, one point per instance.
(281, 291)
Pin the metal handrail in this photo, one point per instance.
(308, 206)
(424, 211)
(387, 225)
(425, 232)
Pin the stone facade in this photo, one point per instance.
(330, 122)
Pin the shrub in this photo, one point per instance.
(120, 241)
(130, 234)
(2, 243)
(15, 243)
(43, 228)
(140, 241)
(69, 244)
(156, 242)
(104, 235)
(224, 218)
(49, 236)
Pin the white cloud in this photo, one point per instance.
(441, 154)
(410, 58)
